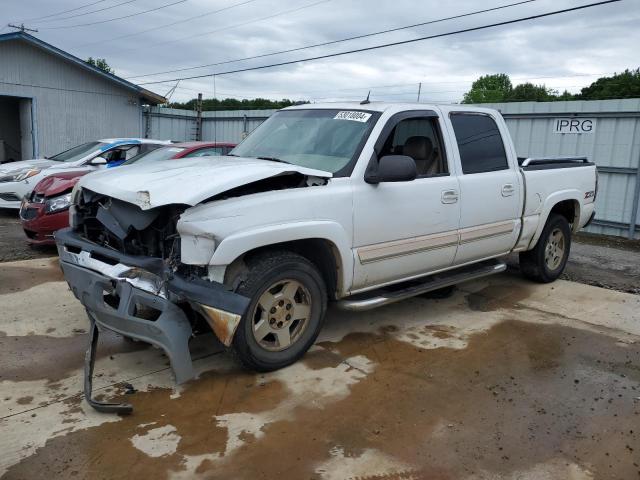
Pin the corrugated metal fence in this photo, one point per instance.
(606, 131)
(224, 126)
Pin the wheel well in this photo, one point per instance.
(569, 209)
(322, 253)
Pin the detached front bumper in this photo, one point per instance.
(138, 297)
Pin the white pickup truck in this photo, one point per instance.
(362, 204)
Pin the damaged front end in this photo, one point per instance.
(123, 264)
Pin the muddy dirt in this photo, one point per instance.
(520, 398)
(619, 243)
(13, 245)
(602, 266)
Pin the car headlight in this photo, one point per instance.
(57, 204)
(21, 175)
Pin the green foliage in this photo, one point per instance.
(489, 89)
(101, 63)
(620, 85)
(498, 89)
(209, 104)
(528, 92)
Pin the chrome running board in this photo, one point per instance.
(395, 293)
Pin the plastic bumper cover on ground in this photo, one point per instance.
(137, 297)
(171, 330)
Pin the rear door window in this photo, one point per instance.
(479, 143)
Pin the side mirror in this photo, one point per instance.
(393, 168)
(98, 161)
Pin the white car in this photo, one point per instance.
(17, 179)
(358, 204)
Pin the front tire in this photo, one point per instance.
(547, 260)
(287, 310)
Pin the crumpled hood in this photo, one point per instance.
(58, 183)
(185, 181)
(11, 167)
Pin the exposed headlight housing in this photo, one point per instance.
(57, 204)
(26, 174)
(20, 175)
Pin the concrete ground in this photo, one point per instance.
(505, 379)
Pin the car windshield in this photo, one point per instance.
(321, 139)
(164, 153)
(79, 152)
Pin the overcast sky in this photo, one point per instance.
(565, 51)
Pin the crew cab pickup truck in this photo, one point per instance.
(362, 204)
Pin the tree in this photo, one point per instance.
(528, 92)
(489, 89)
(210, 104)
(100, 63)
(620, 85)
(497, 88)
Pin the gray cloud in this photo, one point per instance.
(599, 40)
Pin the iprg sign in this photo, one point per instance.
(574, 125)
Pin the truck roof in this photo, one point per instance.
(393, 106)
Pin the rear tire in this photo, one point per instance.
(287, 310)
(547, 260)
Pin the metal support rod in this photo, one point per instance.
(215, 111)
(89, 363)
(634, 208)
(419, 90)
(147, 122)
(199, 118)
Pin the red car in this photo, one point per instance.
(184, 150)
(46, 209)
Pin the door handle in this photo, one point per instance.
(449, 196)
(508, 190)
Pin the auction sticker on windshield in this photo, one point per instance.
(353, 116)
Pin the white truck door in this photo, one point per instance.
(406, 229)
(490, 204)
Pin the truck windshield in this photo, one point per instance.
(79, 152)
(320, 139)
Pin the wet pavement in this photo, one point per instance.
(505, 379)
